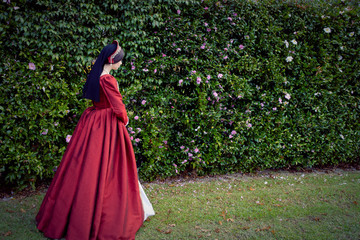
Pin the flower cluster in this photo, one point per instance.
(232, 134)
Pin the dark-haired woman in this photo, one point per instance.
(95, 193)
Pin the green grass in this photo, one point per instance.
(267, 205)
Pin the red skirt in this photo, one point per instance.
(95, 192)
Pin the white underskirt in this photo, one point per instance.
(147, 207)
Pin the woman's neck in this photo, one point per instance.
(106, 70)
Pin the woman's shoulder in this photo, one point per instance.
(109, 80)
(107, 77)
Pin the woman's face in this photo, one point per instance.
(117, 65)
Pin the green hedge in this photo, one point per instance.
(210, 86)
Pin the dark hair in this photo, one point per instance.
(118, 57)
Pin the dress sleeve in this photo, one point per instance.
(114, 97)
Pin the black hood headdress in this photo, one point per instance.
(111, 53)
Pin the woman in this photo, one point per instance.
(95, 193)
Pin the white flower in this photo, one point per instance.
(341, 12)
(327, 30)
(340, 57)
(351, 34)
(287, 96)
(294, 41)
(286, 43)
(289, 58)
(342, 48)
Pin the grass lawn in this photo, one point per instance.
(266, 205)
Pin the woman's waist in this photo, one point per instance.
(101, 106)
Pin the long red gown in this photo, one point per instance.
(95, 191)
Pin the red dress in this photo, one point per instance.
(95, 191)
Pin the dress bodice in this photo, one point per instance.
(104, 102)
(110, 97)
